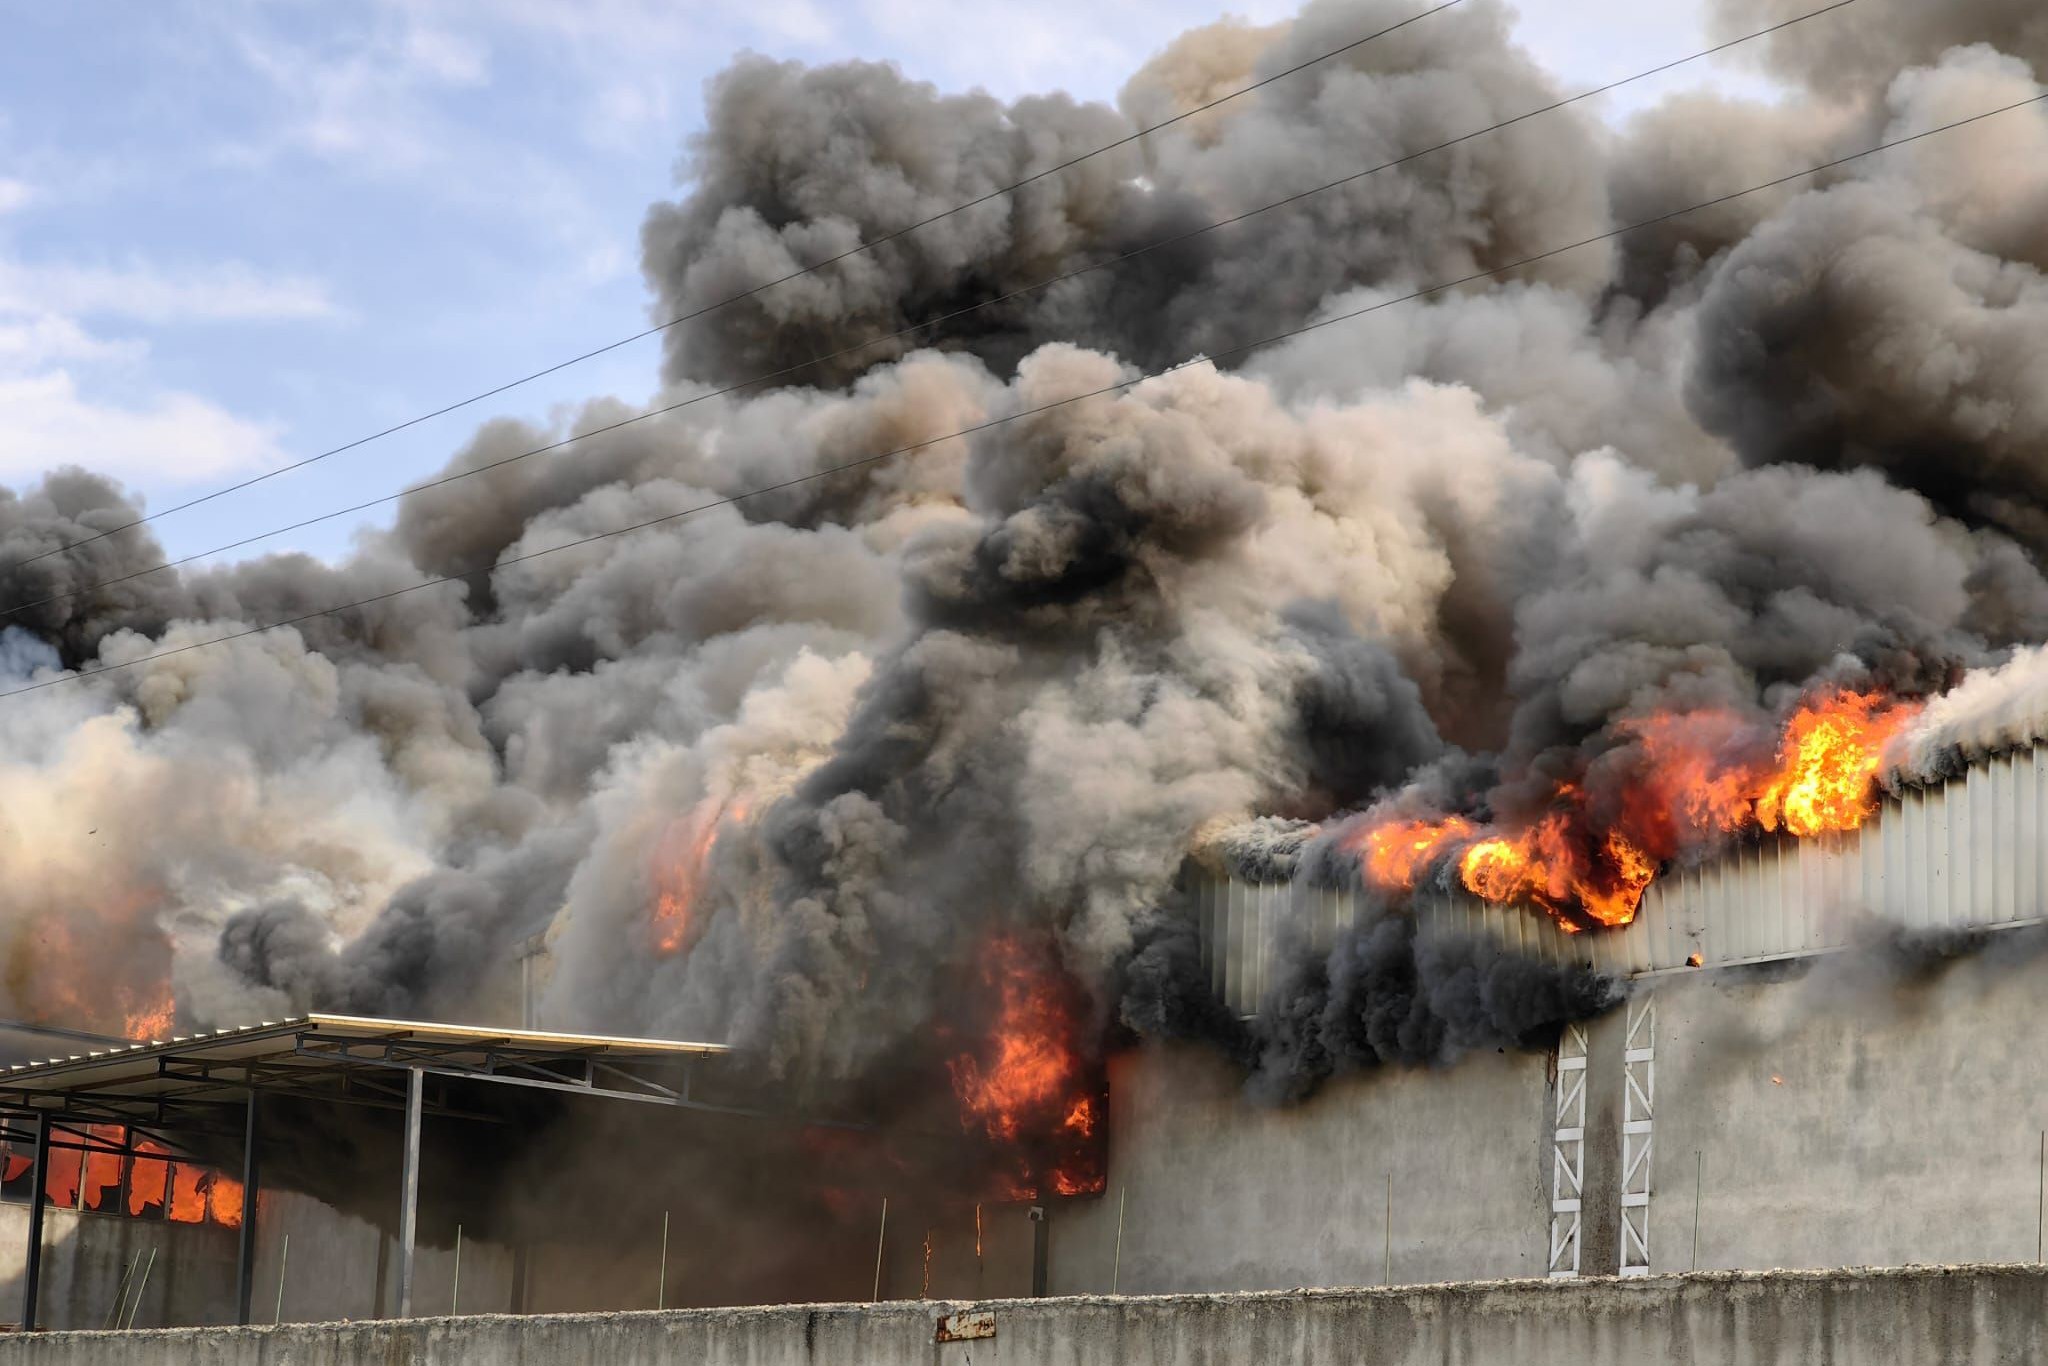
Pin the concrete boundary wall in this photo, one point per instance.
(1958, 1316)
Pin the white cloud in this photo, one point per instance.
(69, 395)
(29, 342)
(169, 438)
(150, 294)
(14, 193)
(358, 94)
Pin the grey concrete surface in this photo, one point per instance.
(1219, 1194)
(338, 1267)
(1842, 1116)
(1957, 1316)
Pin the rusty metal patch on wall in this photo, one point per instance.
(966, 1327)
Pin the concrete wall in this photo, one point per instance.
(337, 1267)
(87, 1256)
(1840, 1111)
(1219, 1195)
(1842, 1118)
(1975, 1316)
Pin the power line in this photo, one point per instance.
(744, 294)
(732, 499)
(919, 326)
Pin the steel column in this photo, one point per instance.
(409, 1189)
(1638, 1119)
(32, 1270)
(245, 1246)
(1568, 1154)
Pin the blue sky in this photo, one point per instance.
(236, 232)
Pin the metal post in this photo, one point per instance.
(409, 1189)
(39, 1194)
(2041, 1200)
(1699, 1168)
(1387, 1248)
(245, 1246)
(1116, 1267)
(283, 1260)
(661, 1285)
(521, 1260)
(455, 1290)
(1041, 1250)
(880, 1239)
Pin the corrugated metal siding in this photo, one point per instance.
(1970, 853)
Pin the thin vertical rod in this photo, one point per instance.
(283, 1260)
(1699, 1168)
(409, 1189)
(2041, 1201)
(1117, 1264)
(245, 1245)
(881, 1238)
(1116, 1267)
(661, 1282)
(140, 1286)
(1387, 1251)
(455, 1289)
(38, 1200)
(121, 1305)
(121, 1295)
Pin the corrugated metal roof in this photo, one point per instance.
(247, 1043)
(1970, 853)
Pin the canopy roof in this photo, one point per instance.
(187, 1081)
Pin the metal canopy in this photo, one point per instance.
(202, 1081)
(214, 1084)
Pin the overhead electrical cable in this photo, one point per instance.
(1119, 387)
(856, 250)
(898, 334)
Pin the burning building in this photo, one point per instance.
(1115, 691)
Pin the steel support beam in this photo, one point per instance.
(32, 1268)
(409, 1189)
(245, 1246)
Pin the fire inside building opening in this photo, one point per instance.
(1358, 659)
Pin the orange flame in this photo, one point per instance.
(224, 1200)
(1030, 1089)
(60, 1183)
(1397, 854)
(101, 1183)
(188, 1194)
(681, 857)
(151, 1021)
(1830, 758)
(147, 1178)
(1679, 780)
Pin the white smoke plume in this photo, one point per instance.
(775, 772)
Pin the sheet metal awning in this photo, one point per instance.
(209, 1087)
(176, 1083)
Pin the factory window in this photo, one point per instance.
(104, 1169)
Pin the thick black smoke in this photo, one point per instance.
(781, 771)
